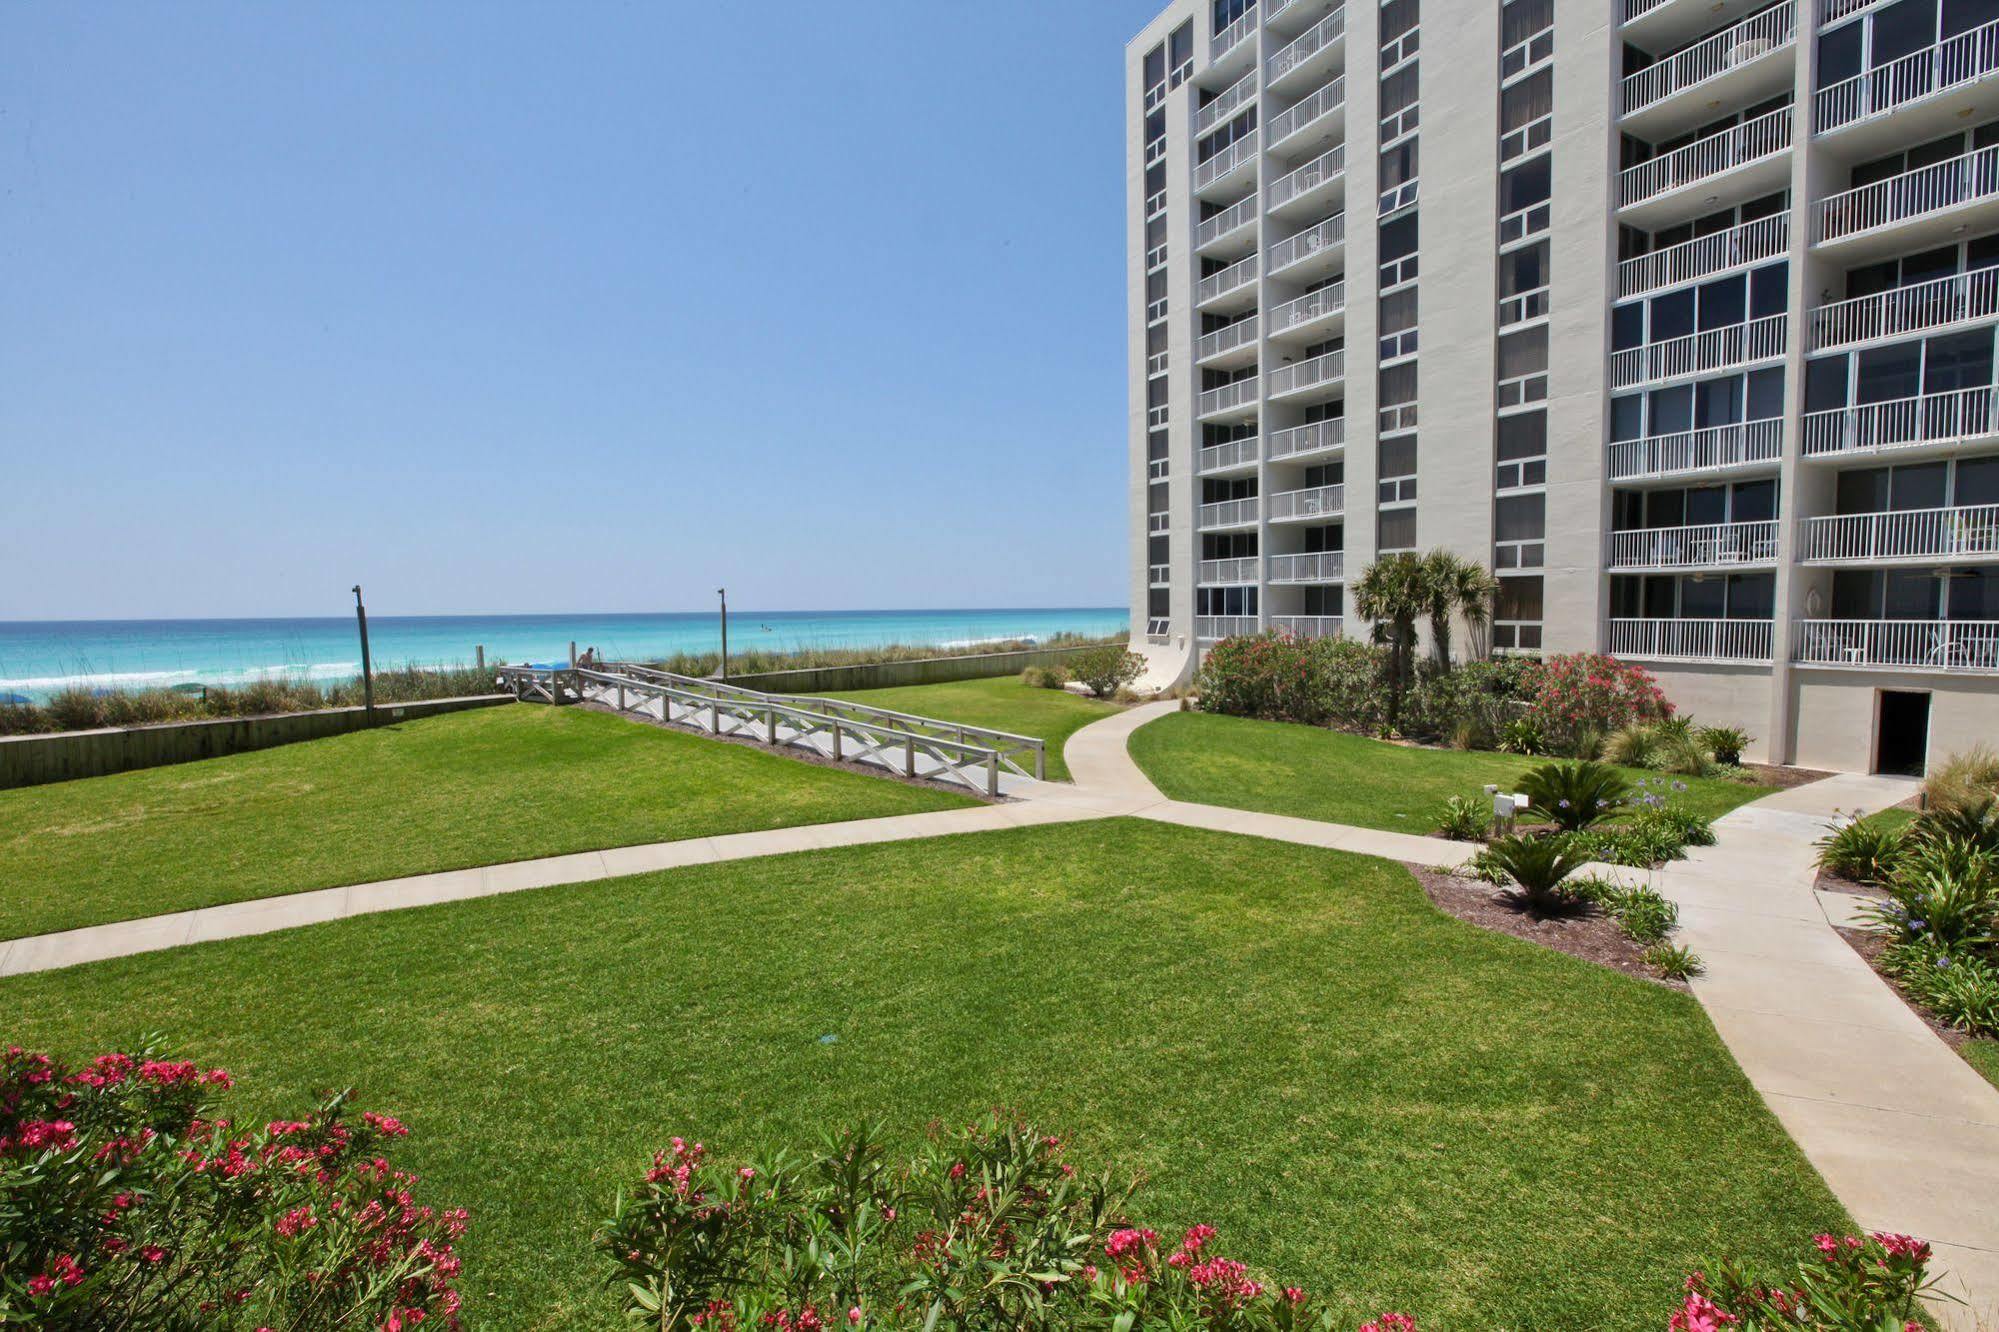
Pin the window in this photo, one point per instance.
(1520, 526)
(1525, 110)
(1516, 614)
(1395, 529)
(1522, 450)
(1225, 600)
(1180, 54)
(1226, 12)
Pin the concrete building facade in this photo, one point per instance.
(1677, 314)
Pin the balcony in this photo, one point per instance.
(1926, 206)
(1323, 179)
(1705, 256)
(1962, 298)
(1690, 453)
(1925, 536)
(1231, 46)
(1327, 566)
(1731, 165)
(1317, 48)
(1306, 506)
(1236, 96)
(1746, 641)
(1739, 64)
(1235, 456)
(1230, 513)
(1661, 25)
(1707, 546)
(1951, 646)
(1323, 241)
(1321, 111)
(1727, 348)
(1236, 222)
(1921, 79)
(1242, 570)
(1230, 281)
(1233, 342)
(1307, 626)
(1309, 442)
(1211, 628)
(1306, 375)
(1237, 399)
(1224, 164)
(1313, 313)
(1933, 423)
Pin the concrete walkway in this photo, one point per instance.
(1903, 1130)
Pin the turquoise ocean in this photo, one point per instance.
(37, 656)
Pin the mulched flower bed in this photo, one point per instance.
(1589, 935)
(1783, 779)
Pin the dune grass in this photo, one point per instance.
(1001, 704)
(469, 788)
(1313, 773)
(1363, 1094)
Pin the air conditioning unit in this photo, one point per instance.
(1745, 51)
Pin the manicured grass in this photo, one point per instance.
(1002, 704)
(1279, 768)
(1896, 816)
(1363, 1094)
(1983, 1055)
(470, 788)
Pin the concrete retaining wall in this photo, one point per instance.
(889, 674)
(31, 760)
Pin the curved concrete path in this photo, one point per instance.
(1904, 1131)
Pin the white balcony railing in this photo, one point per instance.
(1230, 37)
(1924, 645)
(1635, 9)
(1308, 438)
(1327, 300)
(1327, 99)
(1690, 640)
(1315, 502)
(1326, 566)
(1229, 397)
(1211, 229)
(1705, 256)
(1238, 274)
(1752, 141)
(1224, 626)
(1235, 453)
(1307, 374)
(1948, 64)
(1312, 240)
(1903, 423)
(1700, 353)
(1239, 570)
(1968, 531)
(1229, 513)
(1892, 314)
(1313, 174)
(1225, 162)
(1700, 547)
(1698, 450)
(1306, 45)
(1731, 48)
(1241, 333)
(1307, 626)
(1967, 178)
(1232, 99)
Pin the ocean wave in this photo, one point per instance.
(319, 670)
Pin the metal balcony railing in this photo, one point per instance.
(1699, 353)
(1699, 547)
(1238, 334)
(1313, 239)
(1313, 174)
(1238, 274)
(1903, 423)
(1967, 178)
(1307, 626)
(1232, 99)
(1698, 450)
(1926, 305)
(1923, 645)
(1731, 48)
(1225, 626)
(1230, 513)
(1967, 531)
(1315, 502)
(1752, 141)
(1327, 99)
(1951, 63)
(1635, 9)
(1228, 38)
(1308, 374)
(1326, 566)
(1327, 300)
(1306, 45)
(1211, 229)
(1690, 640)
(1239, 570)
(1224, 163)
(1705, 256)
(1228, 397)
(1308, 438)
(1235, 453)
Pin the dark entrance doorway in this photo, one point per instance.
(1902, 739)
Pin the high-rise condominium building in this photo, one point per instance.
(1677, 314)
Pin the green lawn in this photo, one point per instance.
(1984, 1056)
(1363, 1094)
(469, 788)
(1280, 768)
(1003, 704)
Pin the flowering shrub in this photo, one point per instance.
(125, 1203)
(1847, 1285)
(1319, 681)
(1588, 694)
(987, 1227)
(1107, 669)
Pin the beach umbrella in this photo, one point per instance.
(15, 700)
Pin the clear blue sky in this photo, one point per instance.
(825, 302)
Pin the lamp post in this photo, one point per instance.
(367, 669)
(723, 593)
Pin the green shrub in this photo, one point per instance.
(1966, 778)
(1466, 819)
(1633, 747)
(1974, 823)
(1522, 735)
(1960, 987)
(1726, 743)
(1574, 695)
(1674, 961)
(1671, 745)
(1855, 848)
(1635, 844)
(1575, 795)
(1107, 669)
(1942, 891)
(1644, 915)
(1044, 677)
(1537, 867)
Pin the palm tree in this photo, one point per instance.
(1457, 586)
(1394, 592)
